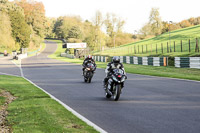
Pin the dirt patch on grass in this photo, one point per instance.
(4, 128)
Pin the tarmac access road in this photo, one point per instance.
(147, 104)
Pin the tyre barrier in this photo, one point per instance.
(187, 62)
(154, 61)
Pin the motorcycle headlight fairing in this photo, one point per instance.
(114, 78)
(123, 79)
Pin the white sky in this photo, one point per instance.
(134, 12)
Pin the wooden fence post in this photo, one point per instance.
(156, 49)
(146, 49)
(174, 46)
(167, 48)
(197, 47)
(189, 45)
(142, 49)
(181, 46)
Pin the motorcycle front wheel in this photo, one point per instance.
(108, 95)
(117, 92)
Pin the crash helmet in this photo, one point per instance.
(116, 60)
(89, 57)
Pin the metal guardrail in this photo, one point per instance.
(67, 55)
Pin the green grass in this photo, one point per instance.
(182, 73)
(34, 111)
(34, 51)
(175, 36)
(2, 100)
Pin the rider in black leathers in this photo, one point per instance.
(88, 60)
(110, 66)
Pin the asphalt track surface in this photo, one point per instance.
(147, 104)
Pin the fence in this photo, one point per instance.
(187, 62)
(154, 61)
(187, 45)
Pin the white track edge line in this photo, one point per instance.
(64, 105)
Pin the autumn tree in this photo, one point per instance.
(66, 26)
(114, 26)
(6, 39)
(145, 31)
(185, 23)
(49, 28)
(155, 21)
(35, 18)
(197, 21)
(98, 23)
(20, 29)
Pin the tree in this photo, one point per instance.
(145, 31)
(98, 22)
(114, 26)
(20, 29)
(75, 32)
(185, 23)
(6, 40)
(197, 21)
(35, 17)
(49, 28)
(155, 21)
(64, 24)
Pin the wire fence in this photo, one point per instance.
(187, 45)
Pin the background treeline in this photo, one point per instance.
(156, 26)
(22, 24)
(99, 33)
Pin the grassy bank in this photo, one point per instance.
(172, 72)
(35, 111)
(36, 51)
(147, 47)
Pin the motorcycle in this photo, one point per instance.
(115, 84)
(89, 72)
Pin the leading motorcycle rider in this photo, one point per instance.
(110, 66)
(87, 60)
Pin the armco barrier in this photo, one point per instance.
(187, 62)
(67, 55)
(154, 61)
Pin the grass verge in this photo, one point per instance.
(172, 72)
(35, 111)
